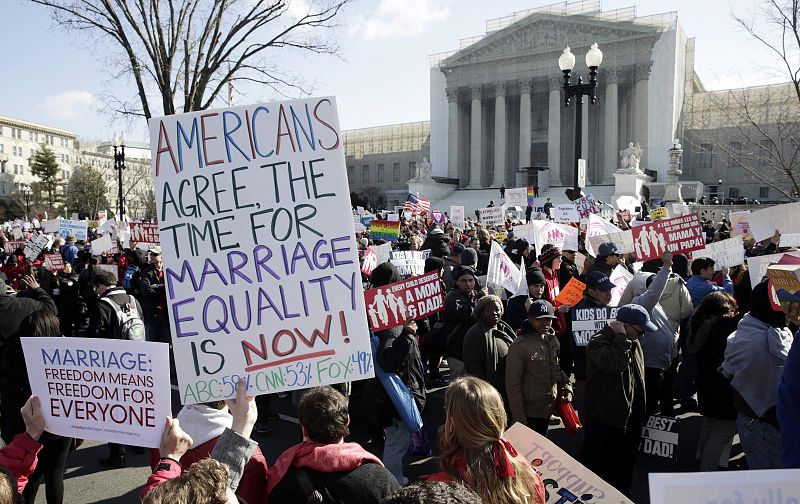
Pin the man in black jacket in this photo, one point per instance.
(339, 471)
(154, 297)
(15, 308)
(398, 353)
(437, 242)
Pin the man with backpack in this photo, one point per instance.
(116, 315)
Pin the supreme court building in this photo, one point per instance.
(497, 103)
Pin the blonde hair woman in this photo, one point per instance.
(474, 451)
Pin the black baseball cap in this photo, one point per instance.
(541, 309)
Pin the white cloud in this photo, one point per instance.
(69, 105)
(398, 19)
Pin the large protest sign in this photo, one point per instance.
(457, 216)
(620, 277)
(385, 230)
(51, 226)
(586, 206)
(541, 232)
(144, 234)
(679, 234)
(775, 486)
(784, 218)
(740, 224)
(660, 437)
(392, 305)
(492, 215)
(382, 251)
(758, 265)
(565, 479)
(623, 240)
(101, 389)
(409, 262)
(565, 213)
(790, 240)
(102, 245)
(517, 196)
(37, 245)
(728, 252)
(76, 228)
(598, 226)
(587, 321)
(501, 272)
(12, 245)
(261, 267)
(53, 262)
(438, 217)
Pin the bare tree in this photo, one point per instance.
(183, 52)
(86, 192)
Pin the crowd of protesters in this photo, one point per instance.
(685, 334)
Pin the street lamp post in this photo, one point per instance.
(566, 62)
(26, 195)
(119, 165)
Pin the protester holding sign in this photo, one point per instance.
(754, 360)
(534, 378)
(588, 316)
(486, 343)
(68, 300)
(457, 316)
(475, 452)
(608, 257)
(69, 251)
(436, 241)
(153, 297)
(615, 396)
(699, 284)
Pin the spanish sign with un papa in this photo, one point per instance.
(261, 267)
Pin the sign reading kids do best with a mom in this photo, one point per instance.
(261, 267)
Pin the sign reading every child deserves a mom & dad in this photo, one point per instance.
(261, 267)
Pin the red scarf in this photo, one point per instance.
(319, 457)
(502, 451)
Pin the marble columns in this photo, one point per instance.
(554, 131)
(610, 128)
(499, 135)
(524, 123)
(475, 140)
(641, 76)
(453, 133)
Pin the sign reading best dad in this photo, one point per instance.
(261, 267)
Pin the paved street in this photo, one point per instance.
(86, 482)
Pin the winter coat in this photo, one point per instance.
(67, 300)
(567, 270)
(675, 301)
(103, 322)
(457, 317)
(789, 407)
(398, 353)
(515, 314)
(152, 293)
(19, 457)
(15, 308)
(714, 392)
(614, 374)
(534, 376)
(447, 272)
(699, 288)
(754, 358)
(438, 244)
(485, 351)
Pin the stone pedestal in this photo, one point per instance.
(628, 184)
(672, 192)
(429, 189)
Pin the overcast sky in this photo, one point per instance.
(57, 78)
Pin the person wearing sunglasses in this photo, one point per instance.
(614, 404)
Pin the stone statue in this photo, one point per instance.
(424, 170)
(630, 158)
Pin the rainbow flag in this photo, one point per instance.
(385, 230)
(530, 195)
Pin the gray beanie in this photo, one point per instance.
(469, 257)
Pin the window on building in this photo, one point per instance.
(350, 171)
(412, 169)
(396, 172)
(733, 192)
(365, 174)
(30, 136)
(380, 173)
(22, 169)
(765, 156)
(16, 170)
(14, 150)
(36, 137)
(763, 192)
(705, 156)
(734, 153)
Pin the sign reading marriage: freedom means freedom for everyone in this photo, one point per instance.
(261, 266)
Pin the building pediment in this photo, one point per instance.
(541, 33)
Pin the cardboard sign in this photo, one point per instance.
(587, 321)
(774, 486)
(145, 234)
(784, 218)
(620, 277)
(586, 206)
(565, 480)
(728, 252)
(37, 245)
(369, 262)
(541, 232)
(417, 297)
(598, 226)
(53, 262)
(492, 216)
(572, 293)
(660, 437)
(623, 240)
(382, 251)
(385, 230)
(679, 234)
(501, 272)
(457, 216)
(409, 262)
(101, 389)
(261, 271)
(76, 228)
(517, 196)
(740, 224)
(565, 213)
(658, 213)
(102, 245)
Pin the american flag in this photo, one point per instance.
(417, 205)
